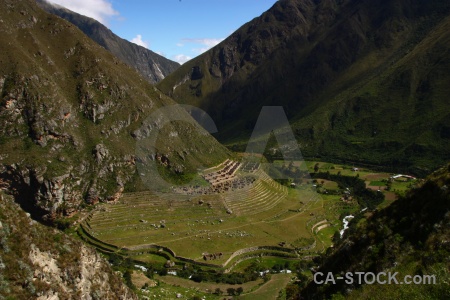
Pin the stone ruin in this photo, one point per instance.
(213, 256)
(224, 180)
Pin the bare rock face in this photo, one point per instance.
(101, 153)
(37, 262)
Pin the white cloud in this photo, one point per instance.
(181, 58)
(204, 45)
(200, 50)
(138, 41)
(161, 53)
(207, 42)
(101, 10)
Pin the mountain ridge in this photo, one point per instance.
(152, 66)
(307, 55)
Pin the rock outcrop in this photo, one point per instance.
(37, 262)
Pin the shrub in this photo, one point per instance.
(239, 290)
(231, 291)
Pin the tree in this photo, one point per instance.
(267, 277)
(231, 291)
(218, 291)
(316, 168)
(292, 291)
(286, 265)
(150, 272)
(163, 272)
(336, 237)
(128, 281)
(389, 185)
(239, 290)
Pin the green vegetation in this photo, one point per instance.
(72, 116)
(357, 187)
(369, 93)
(262, 215)
(148, 229)
(271, 290)
(373, 100)
(405, 237)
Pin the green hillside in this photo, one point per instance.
(409, 237)
(71, 115)
(361, 81)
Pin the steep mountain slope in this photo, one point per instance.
(71, 115)
(37, 262)
(360, 80)
(149, 64)
(410, 237)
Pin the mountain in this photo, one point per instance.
(73, 116)
(360, 80)
(411, 237)
(38, 262)
(149, 64)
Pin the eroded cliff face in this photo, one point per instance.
(37, 262)
(58, 165)
(71, 115)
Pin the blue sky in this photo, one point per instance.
(176, 29)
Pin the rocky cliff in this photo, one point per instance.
(149, 64)
(37, 262)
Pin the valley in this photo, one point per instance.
(125, 175)
(226, 231)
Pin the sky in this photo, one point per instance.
(177, 29)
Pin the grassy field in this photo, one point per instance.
(150, 258)
(264, 214)
(271, 290)
(163, 290)
(167, 287)
(265, 263)
(208, 287)
(288, 223)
